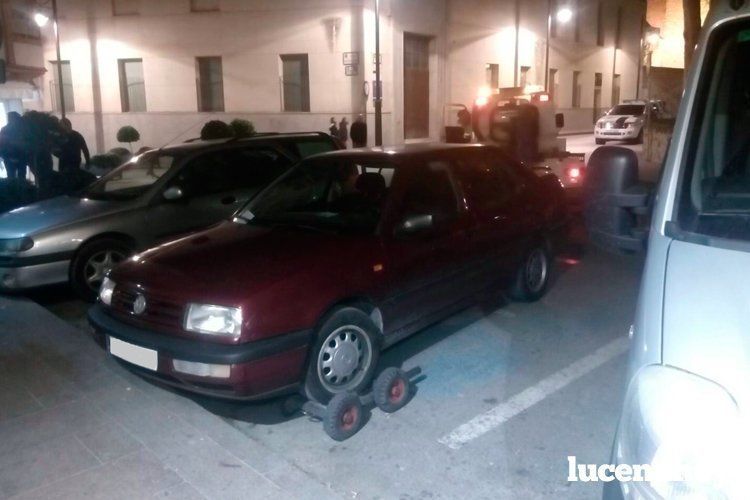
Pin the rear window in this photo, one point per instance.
(715, 189)
(302, 148)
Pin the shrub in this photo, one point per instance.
(128, 134)
(106, 161)
(216, 129)
(123, 153)
(242, 128)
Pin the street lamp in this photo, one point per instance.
(563, 15)
(41, 20)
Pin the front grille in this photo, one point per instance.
(159, 312)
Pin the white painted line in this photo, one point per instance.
(481, 424)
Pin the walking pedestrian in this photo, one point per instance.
(72, 146)
(359, 132)
(14, 147)
(344, 131)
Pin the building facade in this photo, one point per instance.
(168, 66)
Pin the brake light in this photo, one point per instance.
(574, 173)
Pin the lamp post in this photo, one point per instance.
(377, 97)
(563, 15)
(41, 20)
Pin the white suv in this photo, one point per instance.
(623, 122)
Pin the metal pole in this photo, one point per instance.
(518, 27)
(546, 57)
(61, 91)
(378, 90)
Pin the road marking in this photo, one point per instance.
(481, 424)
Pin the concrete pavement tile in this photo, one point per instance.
(138, 475)
(108, 441)
(16, 401)
(28, 468)
(182, 491)
(35, 428)
(299, 484)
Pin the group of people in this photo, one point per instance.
(30, 141)
(358, 132)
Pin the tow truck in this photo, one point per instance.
(523, 122)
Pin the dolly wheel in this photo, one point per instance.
(343, 417)
(391, 390)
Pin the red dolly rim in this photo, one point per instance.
(349, 418)
(397, 391)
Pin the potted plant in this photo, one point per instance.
(128, 134)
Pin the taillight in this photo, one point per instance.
(574, 174)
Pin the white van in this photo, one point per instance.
(686, 414)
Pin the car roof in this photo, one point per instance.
(194, 145)
(401, 151)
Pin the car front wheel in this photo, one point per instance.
(93, 262)
(532, 275)
(344, 356)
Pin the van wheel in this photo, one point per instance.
(532, 276)
(344, 356)
(92, 263)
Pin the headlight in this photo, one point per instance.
(15, 245)
(106, 291)
(686, 430)
(215, 320)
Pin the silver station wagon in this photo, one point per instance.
(156, 196)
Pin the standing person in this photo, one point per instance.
(333, 129)
(14, 147)
(71, 147)
(344, 131)
(359, 132)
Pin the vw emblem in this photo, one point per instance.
(139, 304)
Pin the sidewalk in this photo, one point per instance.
(74, 424)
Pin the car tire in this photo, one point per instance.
(532, 276)
(344, 356)
(92, 262)
(600, 141)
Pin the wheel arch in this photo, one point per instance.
(123, 237)
(361, 302)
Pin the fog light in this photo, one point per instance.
(201, 369)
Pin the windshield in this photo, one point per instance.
(344, 194)
(132, 179)
(627, 109)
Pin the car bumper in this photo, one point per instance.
(23, 275)
(255, 370)
(616, 134)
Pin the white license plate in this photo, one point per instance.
(146, 358)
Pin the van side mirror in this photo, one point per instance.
(413, 224)
(615, 203)
(173, 193)
(560, 120)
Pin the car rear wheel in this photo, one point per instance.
(93, 262)
(532, 276)
(344, 356)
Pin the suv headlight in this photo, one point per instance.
(214, 320)
(106, 291)
(15, 245)
(687, 431)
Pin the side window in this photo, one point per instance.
(489, 185)
(312, 147)
(231, 170)
(430, 191)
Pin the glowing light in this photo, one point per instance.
(544, 97)
(40, 19)
(480, 101)
(653, 38)
(564, 15)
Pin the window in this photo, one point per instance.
(576, 101)
(578, 13)
(553, 19)
(204, 5)
(524, 76)
(416, 86)
(295, 77)
(597, 96)
(615, 90)
(492, 75)
(132, 179)
(618, 27)
(600, 24)
(132, 85)
(430, 191)
(67, 83)
(714, 197)
(487, 184)
(125, 7)
(552, 90)
(210, 83)
(302, 148)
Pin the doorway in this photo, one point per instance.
(416, 86)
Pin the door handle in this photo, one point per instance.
(228, 200)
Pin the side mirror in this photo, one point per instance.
(173, 193)
(560, 120)
(615, 203)
(415, 224)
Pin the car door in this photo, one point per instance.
(213, 186)
(424, 265)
